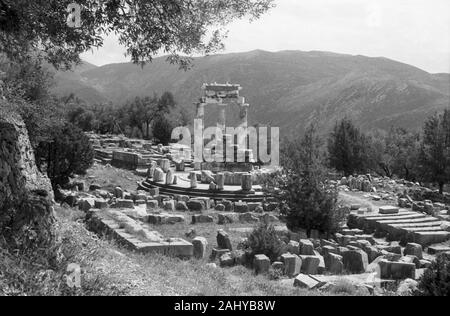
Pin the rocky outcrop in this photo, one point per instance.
(26, 212)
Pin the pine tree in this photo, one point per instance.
(307, 201)
(347, 148)
(434, 157)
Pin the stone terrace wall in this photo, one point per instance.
(26, 212)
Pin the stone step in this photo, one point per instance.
(417, 225)
(429, 238)
(193, 193)
(403, 212)
(397, 217)
(423, 229)
(410, 221)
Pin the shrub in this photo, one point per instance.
(68, 152)
(162, 130)
(436, 279)
(264, 240)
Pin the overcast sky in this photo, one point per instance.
(416, 32)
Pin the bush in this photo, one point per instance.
(436, 279)
(264, 240)
(67, 153)
(162, 130)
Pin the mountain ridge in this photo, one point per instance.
(286, 88)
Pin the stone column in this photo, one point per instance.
(220, 181)
(221, 121)
(200, 110)
(158, 175)
(193, 178)
(244, 115)
(169, 177)
(247, 183)
(165, 165)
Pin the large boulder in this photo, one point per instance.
(25, 194)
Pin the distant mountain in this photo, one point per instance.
(66, 83)
(287, 89)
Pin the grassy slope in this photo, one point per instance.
(110, 270)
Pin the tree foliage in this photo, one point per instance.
(436, 279)
(347, 148)
(144, 27)
(394, 153)
(142, 117)
(264, 240)
(67, 153)
(434, 154)
(306, 200)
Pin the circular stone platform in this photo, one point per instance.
(230, 192)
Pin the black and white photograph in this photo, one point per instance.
(225, 155)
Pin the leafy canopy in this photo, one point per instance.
(145, 28)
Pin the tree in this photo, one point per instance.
(145, 28)
(346, 148)
(393, 153)
(306, 200)
(436, 279)
(67, 153)
(434, 157)
(162, 129)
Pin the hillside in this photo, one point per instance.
(286, 89)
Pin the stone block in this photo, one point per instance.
(228, 218)
(200, 246)
(195, 205)
(414, 250)
(293, 247)
(306, 247)
(307, 282)
(223, 240)
(124, 204)
(397, 270)
(226, 260)
(248, 218)
(202, 219)
(355, 261)
(241, 207)
(310, 264)
(261, 264)
(181, 206)
(334, 263)
(292, 264)
(389, 210)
